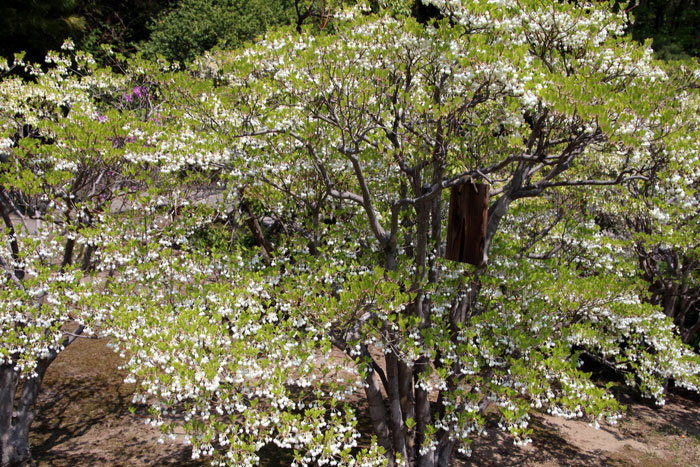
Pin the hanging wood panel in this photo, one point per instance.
(466, 224)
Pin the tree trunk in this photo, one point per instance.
(14, 247)
(378, 414)
(256, 230)
(15, 423)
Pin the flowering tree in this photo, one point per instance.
(62, 168)
(648, 229)
(320, 165)
(347, 144)
(666, 232)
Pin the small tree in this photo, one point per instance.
(665, 231)
(62, 168)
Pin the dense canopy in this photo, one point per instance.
(262, 232)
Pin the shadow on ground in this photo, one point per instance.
(84, 420)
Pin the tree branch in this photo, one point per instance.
(367, 200)
(536, 190)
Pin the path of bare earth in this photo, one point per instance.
(84, 420)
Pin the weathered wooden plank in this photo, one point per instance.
(466, 224)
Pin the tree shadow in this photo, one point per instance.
(497, 449)
(76, 418)
(679, 416)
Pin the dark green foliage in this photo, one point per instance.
(195, 26)
(35, 26)
(424, 13)
(674, 26)
(120, 23)
(218, 237)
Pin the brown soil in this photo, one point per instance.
(647, 436)
(84, 420)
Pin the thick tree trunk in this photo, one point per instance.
(398, 427)
(15, 423)
(377, 412)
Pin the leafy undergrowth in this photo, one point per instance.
(84, 420)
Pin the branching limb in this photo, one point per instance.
(542, 234)
(376, 227)
(14, 245)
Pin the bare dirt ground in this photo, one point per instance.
(84, 420)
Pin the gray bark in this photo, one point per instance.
(378, 413)
(398, 427)
(15, 423)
